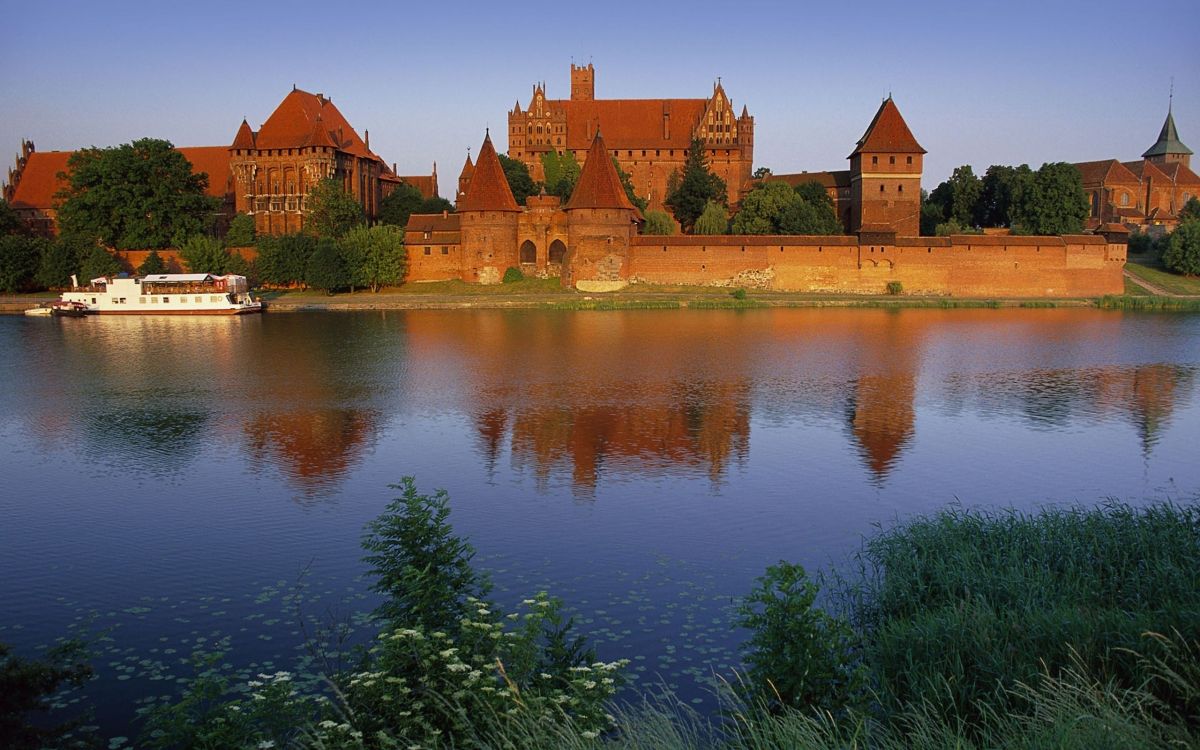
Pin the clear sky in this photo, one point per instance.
(978, 82)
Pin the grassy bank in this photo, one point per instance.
(1149, 303)
(1163, 279)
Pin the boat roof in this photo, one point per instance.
(178, 277)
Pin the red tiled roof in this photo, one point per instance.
(214, 160)
(1144, 169)
(1179, 173)
(488, 190)
(448, 222)
(1113, 227)
(295, 120)
(598, 185)
(426, 183)
(1105, 172)
(836, 179)
(39, 180)
(888, 133)
(467, 170)
(629, 123)
(244, 138)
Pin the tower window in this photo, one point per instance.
(910, 160)
(891, 160)
(874, 160)
(900, 188)
(881, 188)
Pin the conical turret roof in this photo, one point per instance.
(599, 186)
(244, 138)
(488, 189)
(1168, 140)
(888, 133)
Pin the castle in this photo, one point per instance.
(265, 173)
(591, 243)
(1146, 194)
(650, 138)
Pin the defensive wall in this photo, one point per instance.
(959, 265)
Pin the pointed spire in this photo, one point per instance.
(599, 186)
(1168, 139)
(888, 132)
(745, 112)
(244, 138)
(319, 135)
(488, 189)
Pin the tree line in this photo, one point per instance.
(144, 195)
(1048, 201)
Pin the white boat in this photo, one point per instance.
(166, 294)
(41, 311)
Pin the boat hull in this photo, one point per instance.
(237, 311)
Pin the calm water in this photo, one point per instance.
(172, 481)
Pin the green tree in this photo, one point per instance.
(436, 205)
(242, 267)
(562, 172)
(282, 260)
(204, 255)
(398, 205)
(19, 260)
(627, 184)
(958, 195)
(97, 262)
(1182, 253)
(10, 223)
(994, 208)
(241, 231)
(326, 269)
(803, 217)
(798, 655)
(519, 180)
(814, 193)
(27, 691)
(137, 195)
(375, 256)
(1051, 202)
(658, 223)
(763, 207)
(331, 210)
(59, 260)
(714, 220)
(152, 264)
(762, 173)
(419, 565)
(694, 188)
(1190, 210)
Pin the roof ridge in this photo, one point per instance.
(488, 189)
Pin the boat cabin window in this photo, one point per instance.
(198, 298)
(166, 299)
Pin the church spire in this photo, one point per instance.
(1168, 142)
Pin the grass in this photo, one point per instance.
(1127, 302)
(609, 303)
(1171, 282)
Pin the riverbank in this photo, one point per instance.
(1140, 293)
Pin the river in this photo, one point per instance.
(172, 482)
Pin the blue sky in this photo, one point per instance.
(978, 82)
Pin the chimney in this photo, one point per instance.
(394, 168)
(445, 214)
(367, 139)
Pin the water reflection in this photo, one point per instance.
(578, 398)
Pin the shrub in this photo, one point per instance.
(204, 255)
(19, 259)
(798, 656)
(152, 264)
(1182, 253)
(96, 262)
(512, 275)
(895, 287)
(658, 223)
(738, 293)
(326, 268)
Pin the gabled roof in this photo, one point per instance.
(1144, 169)
(298, 118)
(888, 133)
(599, 186)
(447, 222)
(1179, 173)
(244, 138)
(488, 190)
(39, 179)
(629, 123)
(426, 183)
(1105, 172)
(1168, 140)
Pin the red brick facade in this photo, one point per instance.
(650, 138)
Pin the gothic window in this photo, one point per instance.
(557, 251)
(528, 254)
(1124, 199)
(891, 160)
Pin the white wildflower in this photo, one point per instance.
(589, 735)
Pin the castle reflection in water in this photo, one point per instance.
(576, 397)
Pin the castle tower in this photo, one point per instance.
(583, 83)
(488, 220)
(885, 176)
(464, 178)
(1168, 148)
(600, 223)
